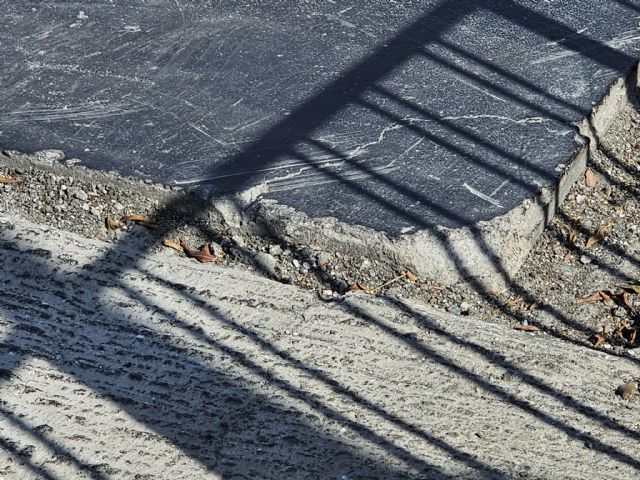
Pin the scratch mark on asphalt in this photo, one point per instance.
(481, 195)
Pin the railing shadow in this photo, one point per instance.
(228, 404)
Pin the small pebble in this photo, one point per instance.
(267, 263)
(323, 259)
(215, 249)
(585, 259)
(464, 308)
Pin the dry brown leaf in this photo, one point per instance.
(536, 306)
(632, 288)
(7, 180)
(173, 245)
(628, 334)
(598, 236)
(140, 220)
(590, 178)
(94, 194)
(411, 278)
(356, 287)
(598, 340)
(525, 327)
(599, 296)
(438, 288)
(623, 298)
(513, 302)
(625, 391)
(606, 298)
(112, 224)
(203, 255)
(572, 238)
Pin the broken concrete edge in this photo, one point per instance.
(486, 255)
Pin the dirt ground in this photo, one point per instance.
(546, 293)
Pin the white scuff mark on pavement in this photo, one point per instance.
(500, 187)
(476, 87)
(297, 181)
(483, 196)
(81, 112)
(619, 41)
(517, 121)
(564, 39)
(363, 148)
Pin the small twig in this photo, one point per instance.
(399, 277)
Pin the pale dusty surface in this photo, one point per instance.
(121, 364)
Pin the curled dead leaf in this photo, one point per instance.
(140, 220)
(168, 243)
(357, 287)
(203, 255)
(525, 327)
(600, 296)
(627, 334)
(598, 236)
(625, 391)
(590, 178)
(513, 302)
(411, 278)
(112, 224)
(598, 340)
(536, 306)
(572, 238)
(8, 180)
(623, 298)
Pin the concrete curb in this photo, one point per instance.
(486, 255)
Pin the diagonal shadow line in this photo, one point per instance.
(614, 249)
(416, 196)
(35, 469)
(554, 30)
(616, 52)
(632, 190)
(496, 88)
(318, 374)
(424, 350)
(514, 77)
(500, 392)
(415, 345)
(358, 79)
(368, 434)
(634, 172)
(351, 84)
(459, 130)
(59, 450)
